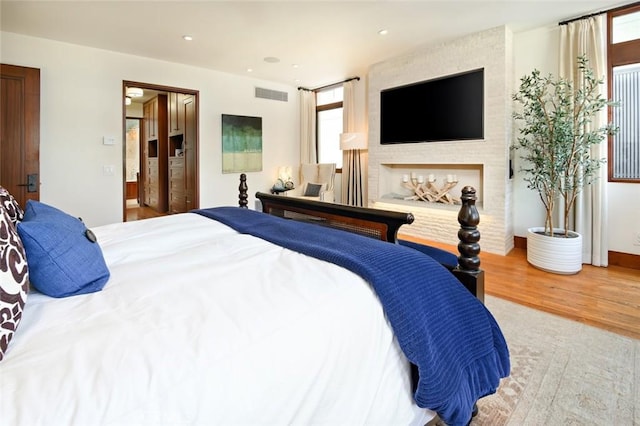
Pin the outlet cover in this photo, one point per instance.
(108, 170)
(636, 239)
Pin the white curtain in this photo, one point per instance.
(354, 162)
(308, 152)
(587, 37)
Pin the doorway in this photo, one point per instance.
(133, 147)
(160, 153)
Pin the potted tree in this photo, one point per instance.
(555, 140)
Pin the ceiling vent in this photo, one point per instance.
(272, 94)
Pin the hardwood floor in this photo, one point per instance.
(135, 212)
(607, 298)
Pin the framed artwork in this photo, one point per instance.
(241, 144)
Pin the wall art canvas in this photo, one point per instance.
(241, 144)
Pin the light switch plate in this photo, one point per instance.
(108, 140)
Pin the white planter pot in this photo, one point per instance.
(554, 254)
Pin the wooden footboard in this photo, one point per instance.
(379, 224)
(384, 225)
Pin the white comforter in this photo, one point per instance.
(201, 325)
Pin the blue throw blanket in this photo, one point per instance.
(443, 329)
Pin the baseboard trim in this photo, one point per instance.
(520, 242)
(624, 260)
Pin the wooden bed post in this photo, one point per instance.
(468, 270)
(242, 191)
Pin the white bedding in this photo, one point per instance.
(201, 325)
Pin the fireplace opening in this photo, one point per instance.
(429, 185)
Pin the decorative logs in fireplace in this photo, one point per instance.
(428, 191)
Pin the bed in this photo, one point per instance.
(198, 321)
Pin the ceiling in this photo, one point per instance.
(316, 42)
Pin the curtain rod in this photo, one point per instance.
(329, 85)
(568, 21)
(598, 13)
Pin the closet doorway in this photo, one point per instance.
(161, 134)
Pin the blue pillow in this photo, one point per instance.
(63, 256)
(313, 190)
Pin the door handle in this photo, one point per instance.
(32, 183)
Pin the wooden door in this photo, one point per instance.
(20, 132)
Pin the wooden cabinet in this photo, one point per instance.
(156, 154)
(182, 168)
(150, 112)
(177, 200)
(170, 153)
(190, 145)
(151, 183)
(176, 113)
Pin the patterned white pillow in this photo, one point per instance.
(11, 206)
(14, 280)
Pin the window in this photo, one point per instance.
(623, 55)
(329, 125)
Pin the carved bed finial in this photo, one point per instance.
(468, 218)
(242, 191)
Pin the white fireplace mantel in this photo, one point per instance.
(482, 163)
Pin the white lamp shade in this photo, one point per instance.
(349, 141)
(134, 92)
(284, 173)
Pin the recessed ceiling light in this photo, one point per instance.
(295, 66)
(271, 59)
(187, 37)
(383, 32)
(249, 69)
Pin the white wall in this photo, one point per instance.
(624, 211)
(81, 101)
(539, 48)
(135, 110)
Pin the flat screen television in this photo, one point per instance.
(443, 109)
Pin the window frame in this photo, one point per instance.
(618, 54)
(326, 107)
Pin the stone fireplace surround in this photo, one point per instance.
(482, 164)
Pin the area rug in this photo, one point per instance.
(563, 373)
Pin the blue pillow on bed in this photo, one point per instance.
(63, 256)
